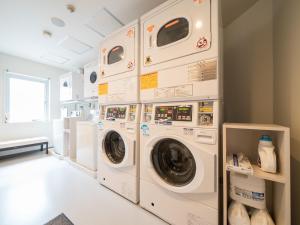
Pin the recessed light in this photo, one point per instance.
(58, 22)
(47, 34)
(71, 8)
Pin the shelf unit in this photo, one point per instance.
(243, 137)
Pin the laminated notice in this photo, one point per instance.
(148, 81)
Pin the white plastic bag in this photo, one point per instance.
(261, 217)
(237, 214)
(239, 163)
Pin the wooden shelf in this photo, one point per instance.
(244, 137)
(257, 172)
(255, 126)
(268, 176)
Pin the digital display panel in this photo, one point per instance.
(174, 113)
(116, 113)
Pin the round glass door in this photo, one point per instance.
(114, 147)
(115, 55)
(93, 77)
(173, 162)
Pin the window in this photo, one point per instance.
(173, 31)
(27, 99)
(115, 55)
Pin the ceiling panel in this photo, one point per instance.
(104, 22)
(74, 45)
(22, 24)
(54, 58)
(232, 9)
(129, 10)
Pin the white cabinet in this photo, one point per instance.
(87, 144)
(71, 86)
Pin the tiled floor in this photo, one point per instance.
(35, 188)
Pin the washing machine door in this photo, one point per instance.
(66, 88)
(93, 77)
(117, 151)
(181, 167)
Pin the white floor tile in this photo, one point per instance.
(37, 188)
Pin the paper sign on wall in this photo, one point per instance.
(103, 89)
(148, 81)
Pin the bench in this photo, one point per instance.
(24, 143)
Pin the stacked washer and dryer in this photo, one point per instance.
(164, 152)
(181, 95)
(118, 128)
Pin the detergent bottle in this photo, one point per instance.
(267, 156)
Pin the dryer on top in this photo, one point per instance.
(91, 80)
(119, 52)
(180, 50)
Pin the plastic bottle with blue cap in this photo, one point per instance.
(267, 157)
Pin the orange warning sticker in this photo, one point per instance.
(130, 32)
(148, 81)
(103, 89)
(150, 28)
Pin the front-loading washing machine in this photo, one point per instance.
(179, 150)
(119, 60)
(118, 161)
(91, 80)
(180, 52)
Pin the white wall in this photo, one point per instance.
(287, 85)
(23, 66)
(262, 74)
(248, 66)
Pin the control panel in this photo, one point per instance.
(116, 113)
(174, 113)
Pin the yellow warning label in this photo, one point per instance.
(206, 107)
(148, 81)
(103, 89)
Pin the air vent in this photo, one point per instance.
(74, 45)
(54, 58)
(104, 23)
(202, 71)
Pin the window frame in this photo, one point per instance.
(19, 76)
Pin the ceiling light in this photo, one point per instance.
(47, 34)
(57, 22)
(71, 8)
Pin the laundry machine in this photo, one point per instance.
(119, 51)
(91, 80)
(179, 161)
(119, 63)
(71, 86)
(118, 156)
(180, 51)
